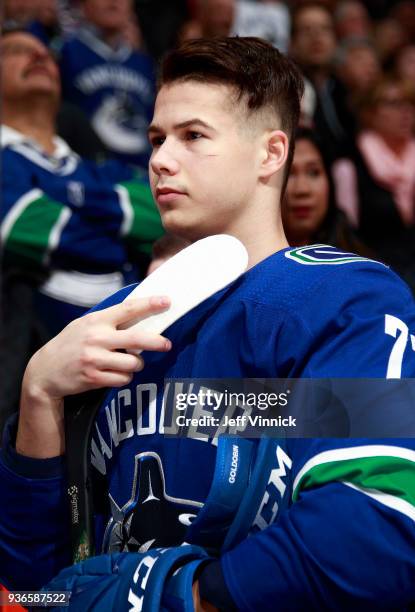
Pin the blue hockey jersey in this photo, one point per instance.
(115, 88)
(334, 528)
(65, 212)
(60, 212)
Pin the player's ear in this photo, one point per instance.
(274, 153)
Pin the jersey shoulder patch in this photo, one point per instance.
(323, 254)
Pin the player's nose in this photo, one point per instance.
(163, 160)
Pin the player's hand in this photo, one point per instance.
(159, 579)
(84, 356)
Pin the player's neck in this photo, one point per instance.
(261, 230)
(37, 125)
(261, 239)
(259, 249)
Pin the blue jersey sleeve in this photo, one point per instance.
(34, 522)
(335, 548)
(34, 517)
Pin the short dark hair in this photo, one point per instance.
(258, 72)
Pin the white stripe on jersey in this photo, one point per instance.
(56, 232)
(127, 209)
(396, 503)
(14, 213)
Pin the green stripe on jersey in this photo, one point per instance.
(387, 469)
(297, 255)
(144, 226)
(323, 254)
(28, 238)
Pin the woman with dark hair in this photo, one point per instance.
(376, 186)
(309, 209)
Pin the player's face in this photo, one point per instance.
(204, 162)
(27, 68)
(307, 194)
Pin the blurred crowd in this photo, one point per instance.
(78, 88)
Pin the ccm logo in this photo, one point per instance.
(234, 464)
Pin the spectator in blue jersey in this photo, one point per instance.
(211, 524)
(71, 230)
(112, 82)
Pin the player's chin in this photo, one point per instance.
(178, 223)
(169, 218)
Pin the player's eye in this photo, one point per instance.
(157, 141)
(192, 135)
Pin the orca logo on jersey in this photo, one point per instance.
(318, 254)
(119, 124)
(151, 517)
